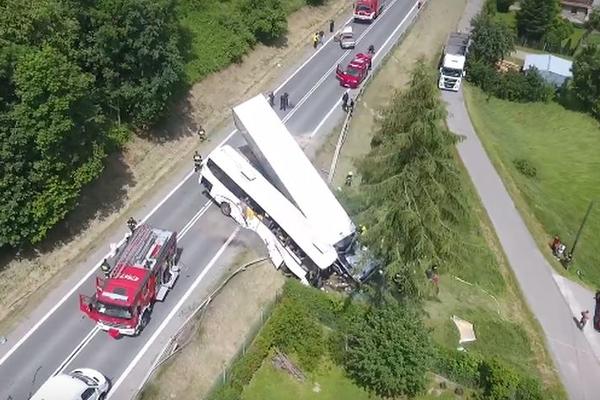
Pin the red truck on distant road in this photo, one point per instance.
(356, 71)
(367, 10)
(143, 273)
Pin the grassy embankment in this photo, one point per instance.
(216, 33)
(563, 147)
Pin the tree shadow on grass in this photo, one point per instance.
(100, 199)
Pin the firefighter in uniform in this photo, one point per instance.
(349, 178)
(105, 267)
(197, 161)
(132, 224)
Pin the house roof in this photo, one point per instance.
(577, 3)
(550, 63)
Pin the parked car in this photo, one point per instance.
(346, 38)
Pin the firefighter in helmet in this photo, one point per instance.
(371, 49)
(132, 224)
(105, 267)
(197, 161)
(349, 178)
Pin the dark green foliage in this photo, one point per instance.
(511, 85)
(491, 41)
(593, 22)
(266, 19)
(389, 351)
(559, 30)
(132, 50)
(50, 143)
(411, 187)
(525, 167)
(315, 2)
(458, 366)
(586, 78)
(504, 5)
(489, 8)
(535, 17)
(497, 380)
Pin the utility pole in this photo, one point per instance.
(585, 217)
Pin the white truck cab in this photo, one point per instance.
(346, 37)
(452, 68)
(80, 384)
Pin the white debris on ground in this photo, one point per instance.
(466, 331)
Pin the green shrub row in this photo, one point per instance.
(495, 379)
(511, 85)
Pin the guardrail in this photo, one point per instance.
(344, 131)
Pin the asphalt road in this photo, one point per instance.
(58, 337)
(553, 300)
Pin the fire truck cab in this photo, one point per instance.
(144, 272)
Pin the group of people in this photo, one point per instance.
(317, 38)
(347, 102)
(559, 250)
(284, 100)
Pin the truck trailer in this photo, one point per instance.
(290, 171)
(452, 68)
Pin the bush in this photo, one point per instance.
(497, 380)
(525, 168)
(459, 366)
(512, 85)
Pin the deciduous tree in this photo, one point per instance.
(133, 52)
(51, 145)
(491, 41)
(535, 17)
(265, 18)
(389, 351)
(586, 78)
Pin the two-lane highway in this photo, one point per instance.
(66, 340)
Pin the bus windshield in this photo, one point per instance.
(113, 310)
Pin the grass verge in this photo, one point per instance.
(560, 150)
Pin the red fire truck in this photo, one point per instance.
(144, 272)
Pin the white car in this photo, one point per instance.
(80, 384)
(346, 38)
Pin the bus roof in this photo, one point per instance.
(290, 170)
(280, 209)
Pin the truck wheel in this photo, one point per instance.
(144, 322)
(225, 209)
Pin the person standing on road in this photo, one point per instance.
(345, 101)
(131, 224)
(286, 101)
(351, 106)
(315, 40)
(271, 99)
(585, 316)
(105, 267)
(371, 49)
(331, 24)
(197, 161)
(282, 102)
(321, 34)
(349, 178)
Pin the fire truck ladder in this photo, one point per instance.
(135, 252)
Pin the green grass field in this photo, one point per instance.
(564, 147)
(328, 383)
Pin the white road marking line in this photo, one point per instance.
(169, 317)
(31, 331)
(37, 325)
(76, 351)
(336, 105)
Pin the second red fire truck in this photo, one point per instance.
(143, 273)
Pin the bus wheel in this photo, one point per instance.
(225, 209)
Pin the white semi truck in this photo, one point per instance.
(452, 68)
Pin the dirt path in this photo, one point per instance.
(229, 322)
(151, 161)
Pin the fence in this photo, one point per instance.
(344, 131)
(190, 326)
